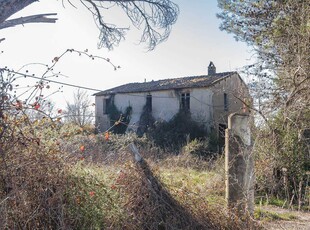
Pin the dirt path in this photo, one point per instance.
(302, 221)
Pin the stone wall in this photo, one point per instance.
(234, 88)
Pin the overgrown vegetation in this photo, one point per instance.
(282, 164)
(279, 33)
(119, 120)
(272, 216)
(77, 180)
(68, 179)
(146, 121)
(91, 200)
(32, 173)
(173, 135)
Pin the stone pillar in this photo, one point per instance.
(239, 164)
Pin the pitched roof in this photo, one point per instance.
(166, 84)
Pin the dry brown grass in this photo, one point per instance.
(59, 185)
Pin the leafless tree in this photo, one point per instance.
(79, 112)
(155, 17)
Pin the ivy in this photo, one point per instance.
(174, 134)
(146, 121)
(119, 121)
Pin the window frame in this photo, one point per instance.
(185, 101)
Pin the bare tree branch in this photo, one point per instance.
(39, 18)
(154, 17)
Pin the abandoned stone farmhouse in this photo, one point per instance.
(208, 98)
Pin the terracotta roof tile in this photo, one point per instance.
(174, 83)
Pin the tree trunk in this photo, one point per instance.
(10, 7)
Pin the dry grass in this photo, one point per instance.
(99, 187)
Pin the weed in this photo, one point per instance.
(261, 214)
(92, 203)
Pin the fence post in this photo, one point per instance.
(239, 164)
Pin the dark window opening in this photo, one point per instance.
(107, 104)
(149, 103)
(225, 102)
(185, 101)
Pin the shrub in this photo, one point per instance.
(205, 148)
(174, 134)
(282, 159)
(91, 200)
(32, 174)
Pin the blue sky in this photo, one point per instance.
(194, 42)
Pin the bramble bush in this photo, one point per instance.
(32, 173)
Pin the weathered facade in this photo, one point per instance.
(209, 98)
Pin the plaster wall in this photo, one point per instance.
(201, 105)
(102, 121)
(165, 104)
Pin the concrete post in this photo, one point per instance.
(239, 164)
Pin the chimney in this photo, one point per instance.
(211, 68)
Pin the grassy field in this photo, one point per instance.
(93, 183)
